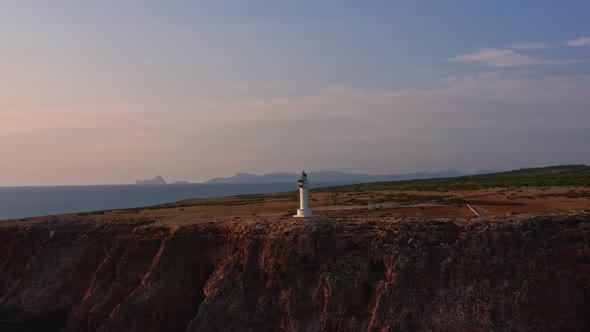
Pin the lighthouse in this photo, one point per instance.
(304, 210)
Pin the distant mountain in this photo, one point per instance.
(157, 180)
(252, 178)
(334, 176)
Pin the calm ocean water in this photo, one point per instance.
(22, 202)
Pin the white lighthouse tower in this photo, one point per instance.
(304, 210)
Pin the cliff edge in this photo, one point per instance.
(337, 274)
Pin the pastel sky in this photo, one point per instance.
(97, 92)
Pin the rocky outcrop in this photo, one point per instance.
(156, 180)
(317, 275)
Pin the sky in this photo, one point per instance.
(105, 92)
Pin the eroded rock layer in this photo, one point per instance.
(317, 275)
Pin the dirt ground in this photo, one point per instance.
(393, 204)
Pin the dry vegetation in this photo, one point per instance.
(396, 204)
(404, 199)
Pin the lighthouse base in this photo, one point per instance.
(304, 213)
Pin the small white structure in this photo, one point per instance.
(376, 206)
(304, 210)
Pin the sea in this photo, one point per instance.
(24, 202)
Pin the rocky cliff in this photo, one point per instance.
(333, 275)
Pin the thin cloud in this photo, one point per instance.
(505, 58)
(420, 125)
(585, 41)
(529, 46)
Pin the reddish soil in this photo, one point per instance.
(402, 204)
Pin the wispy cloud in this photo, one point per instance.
(504, 58)
(584, 41)
(423, 126)
(527, 46)
(273, 86)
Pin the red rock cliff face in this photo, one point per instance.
(318, 275)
